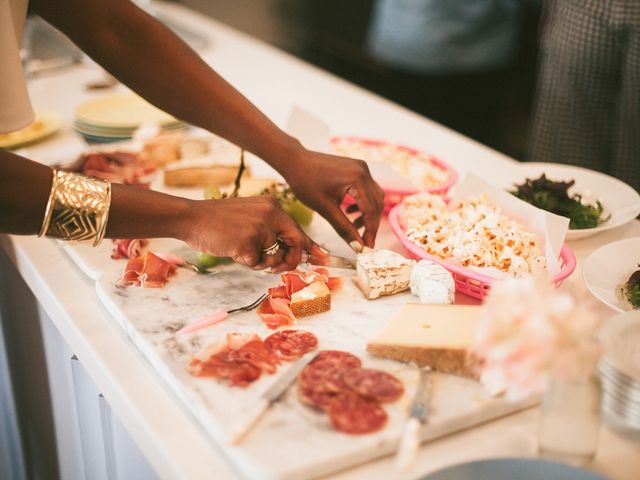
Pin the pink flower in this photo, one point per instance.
(529, 332)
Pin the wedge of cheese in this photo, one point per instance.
(382, 272)
(437, 336)
(432, 283)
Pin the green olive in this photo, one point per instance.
(298, 211)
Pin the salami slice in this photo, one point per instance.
(344, 359)
(291, 344)
(375, 384)
(323, 377)
(354, 414)
(314, 398)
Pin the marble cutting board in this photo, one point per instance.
(274, 448)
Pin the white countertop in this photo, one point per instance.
(274, 81)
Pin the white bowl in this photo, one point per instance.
(610, 266)
(619, 200)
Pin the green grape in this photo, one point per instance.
(298, 211)
(206, 260)
(212, 193)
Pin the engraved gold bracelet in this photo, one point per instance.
(78, 208)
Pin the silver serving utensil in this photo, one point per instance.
(418, 415)
(268, 398)
(333, 261)
(197, 268)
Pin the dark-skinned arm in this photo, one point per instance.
(154, 62)
(238, 228)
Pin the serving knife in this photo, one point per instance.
(418, 415)
(273, 394)
(333, 261)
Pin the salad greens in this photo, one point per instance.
(555, 198)
(631, 289)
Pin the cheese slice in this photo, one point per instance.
(432, 283)
(437, 336)
(382, 272)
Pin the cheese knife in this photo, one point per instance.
(268, 398)
(333, 261)
(418, 415)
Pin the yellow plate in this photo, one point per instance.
(121, 111)
(45, 125)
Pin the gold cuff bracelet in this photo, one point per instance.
(78, 208)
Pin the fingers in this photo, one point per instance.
(295, 241)
(370, 202)
(341, 224)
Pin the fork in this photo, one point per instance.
(220, 315)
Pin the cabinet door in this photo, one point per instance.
(90, 423)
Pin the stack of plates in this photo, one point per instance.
(115, 118)
(620, 369)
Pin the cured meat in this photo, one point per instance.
(325, 372)
(258, 354)
(356, 415)
(117, 166)
(314, 398)
(128, 248)
(240, 360)
(291, 344)
(334, 382)
(345, 359)
(275, 312)
(375, 384)
(148, 271)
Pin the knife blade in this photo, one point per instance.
(268, 398)
(333, 261)
(418, 415)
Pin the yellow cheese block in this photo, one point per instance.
(438, 336)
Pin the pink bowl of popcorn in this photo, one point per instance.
(468, 280)
(400, 170)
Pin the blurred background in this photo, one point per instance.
(469, 65)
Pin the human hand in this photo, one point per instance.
(321, 181)
(244, 228)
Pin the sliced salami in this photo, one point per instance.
(314, 398)
(375, 384)
(354, 414)
(291, 344)
(344, 359)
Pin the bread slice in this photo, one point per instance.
(438, 336)
(201, 176)
(316, 298)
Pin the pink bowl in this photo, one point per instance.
(394, 196)
(468, 281)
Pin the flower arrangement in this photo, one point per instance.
(530, 333)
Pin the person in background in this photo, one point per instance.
(587, 110)
(154, 62)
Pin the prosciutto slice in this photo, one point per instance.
(275, 312)
(128, 248)
(148, 271)
(239, 361)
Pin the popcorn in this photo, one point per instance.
(474, 232)
(411, 164)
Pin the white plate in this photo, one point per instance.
(609, 267)
(618, 199)
(621, 341)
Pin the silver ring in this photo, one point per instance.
(272, 250)
(306, 256)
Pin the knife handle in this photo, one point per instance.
(409, 444)
(240, 429)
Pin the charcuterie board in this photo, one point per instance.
(150, 318)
